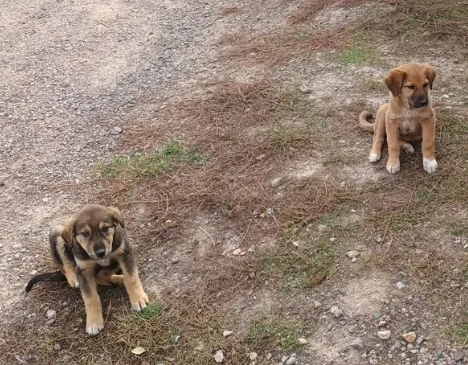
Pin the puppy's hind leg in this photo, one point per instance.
(407, 147)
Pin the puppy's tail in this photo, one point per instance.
(364, 118)
(48, 276)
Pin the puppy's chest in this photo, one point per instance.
(409, 126)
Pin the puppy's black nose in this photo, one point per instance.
(423, 102)
(100, 253)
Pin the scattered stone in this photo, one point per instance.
(227, 333)
(253, 356)
(332, 239)
(292, 360)
(174, 261)
(268, 356)
(305, 89)
(276, 182)
(379, 239)
(382, 323)
(237, 252)
(377, 315)
(354, 259)
(321, 227)
(384, 335)
(138, 350)
(317, 304)
(458, 355)
(302, 341)
(51, 314)
(353, 254)
(219, 356)
(36, 230)
(420, 340)
(353, 329)
(357, 343)
(57, 347)
(337, 312)
(410, 337)
(115, 131)
(400, 285)
(34, 272)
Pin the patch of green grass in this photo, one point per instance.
(360, 53)
(153, 309)
(459, 333)
(299, 268)
(268, 332)
(171, 156)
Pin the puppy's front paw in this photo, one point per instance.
(94, 328)
(139, 301)
(74, 283)
(393, 168)
(429, 165)
(374, 157)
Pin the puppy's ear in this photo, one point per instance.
(116, 216)
(394, 80)
(68, 232)
(430, 73)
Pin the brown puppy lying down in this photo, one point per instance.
(406, 118)
(91, 250)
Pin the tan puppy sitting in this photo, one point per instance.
(406, 118)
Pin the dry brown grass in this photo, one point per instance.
(231, 9)
(309, 9)
(420, 24)
(275, 48)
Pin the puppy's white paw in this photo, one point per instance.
(74, 283)
(140, 302)
(94, 329)
(374, 157)
(393, 169)
(409, 149)
(429, 165)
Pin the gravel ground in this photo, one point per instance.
(71, 71)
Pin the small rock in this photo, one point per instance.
(51, 314)
(376, 315)
(353, 254)
(36, 230)
(219, 356)
(305, 89)
(337, 312)
(34, 272)
(317, 304)
(354, 259)
(357, 344)
(384, 335)
(227, 333)
(253, 356)
(302, 341)
(268, 356)
(420, 340)
(400, 285)
(115, 131)
(276, 182)
(291, 361)
(321, 227)
(174, 261)
(410, 337)
(57, 347)
(458, 355)
(237, 252)
(382, 323)
(353, 329)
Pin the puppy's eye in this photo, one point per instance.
(425, 85)
(105, 229)
(410, 87)
(85, 234)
